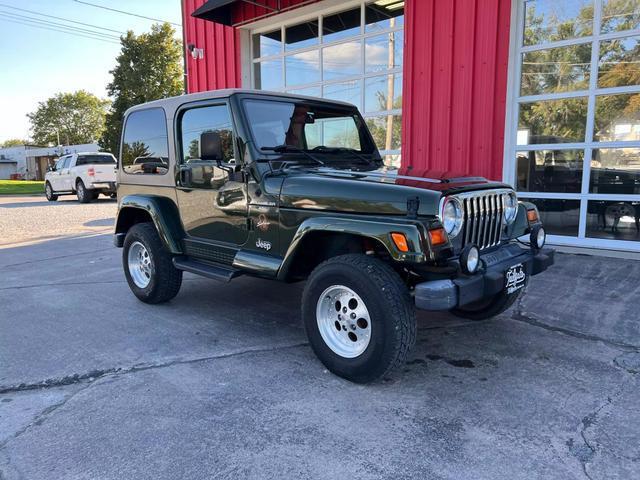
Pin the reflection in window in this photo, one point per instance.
(303, 68)
(383, 52)
(559, 217)
(617, 118)
(613, 220)
(344, 91)
(386, 131)
(341, 25)
(383, 93)
(268, 75)
(301, 35)
(384, 14)
(552, 20)
(342, 60)
(552, 70)
(552, 121)
(620, 15)
(144, 147)
(549, 171)
(619, 62)
(341, 132)
(265, 44)
(206, 119)
(615, 171)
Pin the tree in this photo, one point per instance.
(73, 118)
(13, 142)
(148, 68)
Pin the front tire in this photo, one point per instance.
(48, 192)
(148, 265)
(359, 317)
(84, 195)
(488, 308)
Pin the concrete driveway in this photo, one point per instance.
(220, 382)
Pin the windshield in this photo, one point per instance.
(306, 126)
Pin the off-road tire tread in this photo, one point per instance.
(169, 278)
(396, 296)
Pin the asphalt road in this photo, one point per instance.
(220, 382)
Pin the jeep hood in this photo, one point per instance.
(383, 191)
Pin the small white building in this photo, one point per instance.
(30, 162)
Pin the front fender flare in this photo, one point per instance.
(164, 214)
(376, 230)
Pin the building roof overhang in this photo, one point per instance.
(221, 11)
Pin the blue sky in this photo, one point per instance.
(38, 63)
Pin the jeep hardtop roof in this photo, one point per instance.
(171, 104)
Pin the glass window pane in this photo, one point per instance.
(617, 118)
(383, 52)
(265, 44)
(341, 25)
(613, 220)
(392, 160)
(303, 68)
(552, 121)
(145, 148)
(308, 91)
(342, 60)
(344, 91)
(549, 171)
(619, 62)
(341, 132)
(552, 70)
(301, 35)
(615, 171)
(559, 217)
(620, 15)
(197, 121)
(268, 75)
(551, 20)
(386, 131)
(383, 93)
(384, 14)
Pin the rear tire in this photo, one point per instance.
(374, 326)
(84, 195)
(485, 309)
(148, 265)
(49, 193)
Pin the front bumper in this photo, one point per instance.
(465, 289)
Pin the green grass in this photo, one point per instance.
(13, 187)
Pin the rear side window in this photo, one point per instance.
(144, 147)
(95, 160)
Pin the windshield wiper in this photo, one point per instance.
(292, 149)
(352, 151)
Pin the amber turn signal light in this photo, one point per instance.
(401, 241)
(437, 236)
(532, 216)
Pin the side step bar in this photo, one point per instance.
(221, 273)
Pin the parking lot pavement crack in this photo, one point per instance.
(58, 257)
(100, 373)
(519, 316)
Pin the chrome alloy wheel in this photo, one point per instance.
(343, 321)
(139, 264)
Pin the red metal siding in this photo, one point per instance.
(455, 82)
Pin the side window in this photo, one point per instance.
(197, 121)
(67, 161)
(81, 161)
(144, 147)
(60, 163)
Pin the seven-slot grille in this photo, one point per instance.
(483, 218)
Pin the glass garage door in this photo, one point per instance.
(574, 139)
(353, 54)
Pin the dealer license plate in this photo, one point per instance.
(515, 278)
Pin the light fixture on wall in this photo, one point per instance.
(196, 53)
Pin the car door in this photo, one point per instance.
(56, 175)
(212, 195)
(63, 178)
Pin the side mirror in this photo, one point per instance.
(210, 146)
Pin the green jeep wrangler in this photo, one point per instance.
(291, 188)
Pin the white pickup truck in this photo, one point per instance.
(86, 175)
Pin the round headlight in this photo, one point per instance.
(470, 259)
(538, 237)
(452, 216)
(510, 207)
